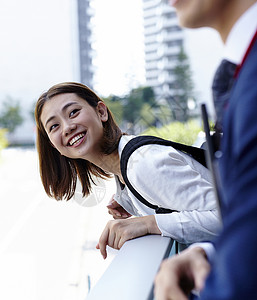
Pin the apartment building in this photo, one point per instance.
(163, 39)
(85, 14)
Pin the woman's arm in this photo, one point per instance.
(116, 210)
(190, 226)
(117, 232)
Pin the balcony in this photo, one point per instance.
(132, 272)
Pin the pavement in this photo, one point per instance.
(47, 247)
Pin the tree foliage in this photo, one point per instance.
(185, 133)
(182, 87)
(10, 116)
(138, 108)
(132, 105)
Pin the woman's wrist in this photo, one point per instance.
(152, 227)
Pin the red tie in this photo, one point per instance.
(246, 54)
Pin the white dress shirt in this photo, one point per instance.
(171, 179)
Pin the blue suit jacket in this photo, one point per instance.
(234, 272)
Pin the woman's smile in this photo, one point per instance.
(77, 139)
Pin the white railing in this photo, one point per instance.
(131, 274)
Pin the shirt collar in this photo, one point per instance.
(241, 35)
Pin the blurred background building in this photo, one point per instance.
(163, 39)
(85, 13)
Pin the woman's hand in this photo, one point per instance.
(116, 210)
(182, 273)
(117, 232)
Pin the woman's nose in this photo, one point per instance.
(69, 128)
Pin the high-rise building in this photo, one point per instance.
(85, 13)
(163, 39)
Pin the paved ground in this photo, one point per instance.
(47, 248)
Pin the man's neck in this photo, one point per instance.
(234, 10)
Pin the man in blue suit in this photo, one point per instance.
(229, 271)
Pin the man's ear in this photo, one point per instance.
(102, 111)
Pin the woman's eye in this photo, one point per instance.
(52, 127)
(73, 112)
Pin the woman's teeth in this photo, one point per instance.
(76, 139)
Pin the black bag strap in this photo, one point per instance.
(196, 153)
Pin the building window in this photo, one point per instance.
(174, 43)
(174, 28)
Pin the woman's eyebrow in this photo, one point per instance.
(63, 110)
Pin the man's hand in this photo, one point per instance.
(116, 210)
(180, 274)
(117, 232)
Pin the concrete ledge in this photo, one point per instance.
(131, 273)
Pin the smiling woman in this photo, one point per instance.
(77, 138)
(63, 115)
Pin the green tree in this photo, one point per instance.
(10, 116)
(139, 105)
(147, 115)
(132, 104)
(148, 96)
(182, 87)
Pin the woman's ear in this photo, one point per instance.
(102, 111)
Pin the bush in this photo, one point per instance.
(3, 139)
(185, 133)
(11, 116)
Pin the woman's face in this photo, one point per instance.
(73, 126)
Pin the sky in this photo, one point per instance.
(119, 45)
(35, 47)
(39, 44)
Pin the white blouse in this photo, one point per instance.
(171, 179)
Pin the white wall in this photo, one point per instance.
(204, 49)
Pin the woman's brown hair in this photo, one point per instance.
(59, 173)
